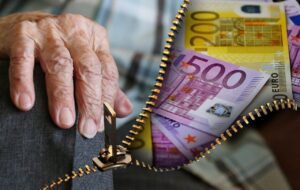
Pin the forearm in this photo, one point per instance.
(8, 22)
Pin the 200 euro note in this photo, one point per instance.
(249, 34)
(205, 93)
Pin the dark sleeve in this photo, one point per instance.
(33, 151)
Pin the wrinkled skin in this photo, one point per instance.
(72, 50)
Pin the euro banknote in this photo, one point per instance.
(165, 153)
(206, 93)
(142, 147)
(294, 45)
(190, 141)
(249, 34)
(152, 147)
(292, 10)
(291, 7)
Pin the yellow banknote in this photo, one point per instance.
(142, 146)
(250, 34)
(154, 148)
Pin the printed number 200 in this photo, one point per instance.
(198, 16)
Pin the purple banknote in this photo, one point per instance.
(165, 153)
(188, 140)
(205, 93)
(294, 46)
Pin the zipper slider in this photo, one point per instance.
(112, 156)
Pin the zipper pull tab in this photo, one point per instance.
(112, 156)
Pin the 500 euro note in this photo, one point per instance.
(249, 34)
(190, 141)
(292, 10)
(294, 45)
(205, 93)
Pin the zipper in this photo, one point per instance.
(242, 122)
(117, 156)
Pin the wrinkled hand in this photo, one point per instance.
(68, 47)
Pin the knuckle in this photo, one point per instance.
(92, 102)
(22, 27)
(59, 65)
(102, 30)
(74, 25)
(45, 22)
(21, 56)
(87, 73)
(111, 76)
(19, 72)
(63, 92)
(110, 69)
(20, 34)
(59, 61)
(100, 34)
(108, 96)
(71, 16)
(89, 68)
(19, 76)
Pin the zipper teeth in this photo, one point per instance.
(245, 120)
(140, 121)
(263, 110)
(86, 170)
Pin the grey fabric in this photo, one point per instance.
(33, 151)
(134, 178)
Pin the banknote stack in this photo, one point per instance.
(229, 57)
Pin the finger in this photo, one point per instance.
(21, 69)
(122, 111)
(88, 87)
(123, 106)
(110, 85)
(109, 80)
(58, 67)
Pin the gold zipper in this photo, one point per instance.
(106, 164)
(115, 157)
(245, 120)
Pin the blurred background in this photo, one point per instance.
(263, 157)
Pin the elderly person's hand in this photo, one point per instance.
(72, 51)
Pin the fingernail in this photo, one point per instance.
(89, 129)
(101, 126)
(126, 106)
(66, 117)
(24, 101)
